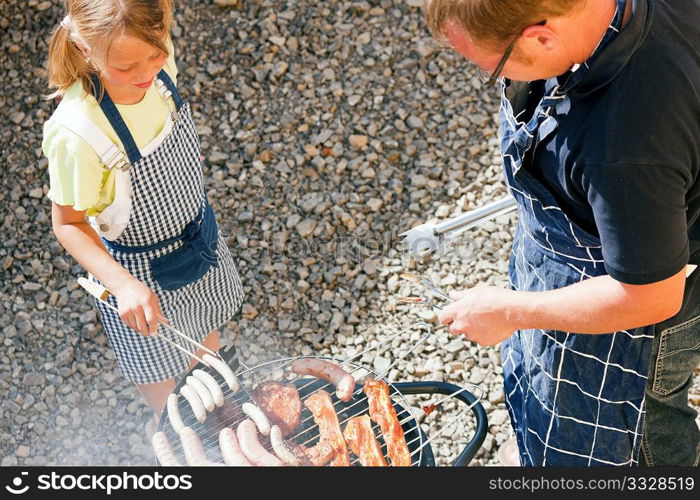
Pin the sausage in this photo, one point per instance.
(174, 413)
(192, 446)
(344, 382)
(202, 392)
(230, 449)
(281, 449)
(164, 452)
(261, 421)
(251, 447)
(193, 398)
(224, 370)
(214, 388)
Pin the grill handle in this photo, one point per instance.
(467, 398)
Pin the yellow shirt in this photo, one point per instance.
(76, 176)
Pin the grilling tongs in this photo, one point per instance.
(431, 288)
(101, 293)
(430, 238)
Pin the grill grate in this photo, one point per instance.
(307, 434)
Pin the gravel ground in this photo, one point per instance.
(328, 128)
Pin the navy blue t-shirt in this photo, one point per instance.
(624, 161)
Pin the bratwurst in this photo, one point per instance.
(174, 413)
(333, 374)
(230, 449)
(210, 382)
(164, 452)
(224, 370)
(281, 449)
(248, 440)
(192, 446)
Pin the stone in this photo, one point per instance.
(455, 345)
(414, 122)
(249, 312)
(306, 227)
(498, 417)
(278, 40)
(33, 379)
(65, 356)
(358, 141)
(375, 204)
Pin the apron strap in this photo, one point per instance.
(117, 122)
(108, 153)
(165, 78)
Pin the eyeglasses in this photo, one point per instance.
(489, 79)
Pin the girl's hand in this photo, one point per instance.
(138, 306)
(481, 314)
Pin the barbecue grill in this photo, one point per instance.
(307, 434)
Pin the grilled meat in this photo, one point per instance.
(360, 437)
(280, 403)
(382, 411)
(321, 406)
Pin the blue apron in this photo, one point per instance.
(573, 399)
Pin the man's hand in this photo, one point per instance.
(480, 314)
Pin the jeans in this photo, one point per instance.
(671, 435)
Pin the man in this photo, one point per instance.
(601, 150)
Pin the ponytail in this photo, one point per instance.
(66, 63)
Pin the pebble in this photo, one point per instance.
(17, 117)
(358, 141)
(33, 378)
(498, 417)
(306, 227)
(65, 356)
(375, 204)
(454, 346)
(414, 122)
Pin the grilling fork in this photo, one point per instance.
(101, 293)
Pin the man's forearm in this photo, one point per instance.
(597, 305)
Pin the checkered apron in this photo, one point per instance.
(167, 193)
(573, 399)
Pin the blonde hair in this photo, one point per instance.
(492, 22)
(96, 24)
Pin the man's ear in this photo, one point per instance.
(543, 35)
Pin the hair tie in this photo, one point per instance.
(65, 22)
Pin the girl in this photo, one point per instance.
(124, 154)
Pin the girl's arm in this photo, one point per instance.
(138, 305)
